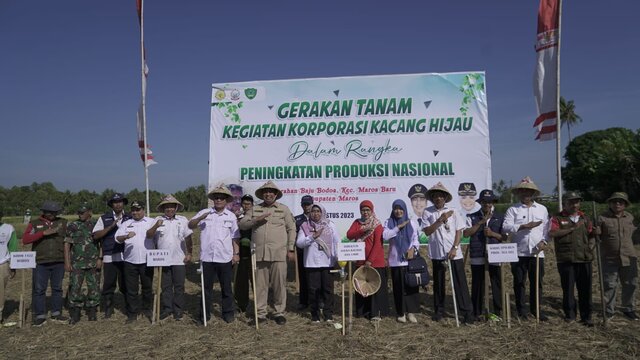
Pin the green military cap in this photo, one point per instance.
(620, 196)
(571, 195)
(84, 207)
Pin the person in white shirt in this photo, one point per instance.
(133, 234)
(219, 249)
(402, 235)
(527, 223)
(8, 244)
(171, 232)
(319, 238)
(444, 227)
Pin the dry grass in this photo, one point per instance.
(299, 338)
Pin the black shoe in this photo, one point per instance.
(108, 312)
(148, 314)
(523, 316)
(91, 314)
(75, 315)
(587, 323)
(229, 319)
(60, 318)
(164, 315)
(177, 317)
(543, 317)
(261, 321)
(39, 322)
(631, 315)
(131, 319)
(436, 317)
(280, 320)
(569, 320)
(301, 307)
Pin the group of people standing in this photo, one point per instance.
(116, 244)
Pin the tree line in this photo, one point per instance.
(16, 200)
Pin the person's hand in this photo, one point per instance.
(486, 218)
(318, 232)
(367, 263)
(530, 225)
(540, 247)
(443, 218)
(452, 253)
(263, 216)
(411, 253)
(489, 233)
(67, 267)
(235, 259)
(291, 255)
(187, 258)
(51, 231)
(12, 273)
(130, 234)
(159, 222)
(99, 264)
(400, 226)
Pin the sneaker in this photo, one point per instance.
(402, 319)
(39, 322)
(412, 318)
(60, 318)
(177, 317)
(631, 315)
(315, 320)
(328, 318)
(280, 320)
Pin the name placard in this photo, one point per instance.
(352, 251)
(158, 257)
(23, 260)
(501, 253)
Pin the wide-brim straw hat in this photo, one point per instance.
(268, 185)
(170, 199)
(366, 281)
(527, 184)
(621, 196)
(222, 190)
(441, 188)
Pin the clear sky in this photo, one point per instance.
(70, 75)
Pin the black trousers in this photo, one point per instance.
(459, 283)
(477, 288)
(303, 298)
(405, 298)
(526, 266)
(113, 275)
(376, 304)
(320, 289)
(223, 272)
(138, 276)
(572, 275)
(242, 282)
(173, 289)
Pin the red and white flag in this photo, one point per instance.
(142, 145)
(546, 73)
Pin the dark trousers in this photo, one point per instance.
(459, 283)
(242, 282)
(526, 266)
(320, 290)
(138, 276)
(113, 275)
(376, 304)
(572, 275)
(223, 271)
(477, 288)
(405, 298)
(173, 289)
(42, 274)
(303, 278)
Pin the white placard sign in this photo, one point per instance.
(501, 253)
(352, 251)
(158, 258)
(23, 260)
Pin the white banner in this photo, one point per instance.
(344, 140)
(23, 260)
(502, 253)
(158, 257)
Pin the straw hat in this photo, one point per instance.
(439, 187)
(220, 189)
(621, 196)
(268, 185)
(169, 199)
(366, 281)
(527, 184)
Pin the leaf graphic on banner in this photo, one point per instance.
(472, 86)
(336, 92)
(426, 104)
(436, 152)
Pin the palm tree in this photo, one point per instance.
(568, 115)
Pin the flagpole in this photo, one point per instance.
(558, 121)
(144, 110)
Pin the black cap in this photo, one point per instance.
(306, 200)
(135, 204)
(467, 189)
(247, 197)
(117, 197)
(417, 189)
(51, 206)
(486, 195)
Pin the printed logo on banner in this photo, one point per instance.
(251, 93)
(235, 95)
(219, 94)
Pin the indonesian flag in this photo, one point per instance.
(141, 144)
(546, 73)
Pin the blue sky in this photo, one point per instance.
(70, 75)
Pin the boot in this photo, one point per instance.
(108, 307)
(91, 314)
(74, 314)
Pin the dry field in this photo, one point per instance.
(299, 338)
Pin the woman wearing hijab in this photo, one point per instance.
(369, 230)
(319, 237)
(402, 235)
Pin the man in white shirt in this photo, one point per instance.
(133, 234)
(172, 232)
(219, 249)
(444, 227)
(527, 223)
(8, 244)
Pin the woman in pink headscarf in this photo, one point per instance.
(369, 229)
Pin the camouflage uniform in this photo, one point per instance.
(84, 255)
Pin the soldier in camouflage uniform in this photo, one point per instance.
(82, 260)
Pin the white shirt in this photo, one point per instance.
(441, 241)
(314, 256)
(171, 236)
(99, 226)
(396, 259)
(527, 240)
(135, 248)
(5, 235)
(217, 232)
